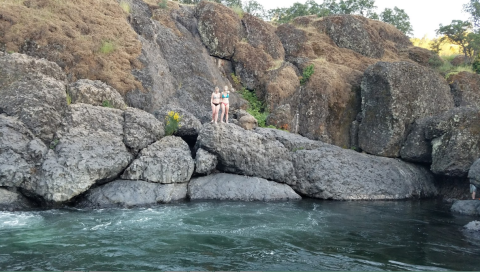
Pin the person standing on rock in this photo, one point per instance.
(225, 105)
(215, 102)
(473, 189)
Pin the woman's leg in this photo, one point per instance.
(223, 112)
(213, 113)
(217, 107)
(227, 107)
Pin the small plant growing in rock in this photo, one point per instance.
(238, 10)
(172, 123)
(54, 143)
(307, 73)
(69, 99)
(107, 104)
(125, 6)
(107, 47)
(163, 4)
(235, 79)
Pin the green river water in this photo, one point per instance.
(302, 235)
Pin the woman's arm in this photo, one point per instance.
(211, 99)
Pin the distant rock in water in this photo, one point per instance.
(468, 207)
(235, 187)
(473, 226)
(130, 193)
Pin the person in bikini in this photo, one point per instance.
(225, 105)
(215, 102)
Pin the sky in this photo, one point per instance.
(425, 15)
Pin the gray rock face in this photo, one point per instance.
(95, 92)
(13, 201)
(233, 187)
(34, 91)
(205, 162)
(474, 173)
(331, 172)
(219, 27)
(291, 141)
(468, 207)
(351, 32)
(416, 148)
(166, 161)
(21, 153)
(248, 122)
(245, 152)
(455, 138)
(89, 150)
(130, 193)
(189, 124)
(395, 94)
(141, 129)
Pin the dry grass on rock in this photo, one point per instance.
(88, 38)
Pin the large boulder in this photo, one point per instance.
(465, 88)
(353, 32)
(245, 152)
(474, 173)
(95, 92)
(261, 35)
(416, 148)
(130, 193)
(166, 161)
(205, 162)
(14, 201)
(251, 65)
(291, 141)
(233, 187)
(21, 153)
(89, 150)
(455, 139)
(468, 207)
(394, 95)
(34, 91)
(189, 125)
(220, 28)
(330, 172)
(141, 129)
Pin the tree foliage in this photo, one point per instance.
(457, 33)
(399, 18)
(473, 7)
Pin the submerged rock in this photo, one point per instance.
(166, 161)
(129, 193)
(468, 207)
(473, 226)
(330, 172)
(233, 187)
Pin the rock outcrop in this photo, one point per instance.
(291, 141)
(245, 152)
(468, 207)
(465, 88)
(34, 91)
(416, 148)
(14, 201)
(474, 173)
(330, 172)
(234, 187)
(166, 161)
(141, 129)
(205, 162)
(189, 125)
(129, 193)
(95, 92)
(394, 95)
(455, 138)
(473, 226)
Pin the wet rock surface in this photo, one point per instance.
(467, 207)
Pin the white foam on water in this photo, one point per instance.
(411, 267)
(18, 219)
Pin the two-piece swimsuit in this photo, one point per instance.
(215, 97)
(225, 96)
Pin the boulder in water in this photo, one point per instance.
(234, 187)
(468, 207)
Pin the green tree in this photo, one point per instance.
(399, 18)
(473, 7)
(255, 9)
(232, 3)
(457, 33)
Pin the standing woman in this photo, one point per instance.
(225, 105)
(215, 102)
